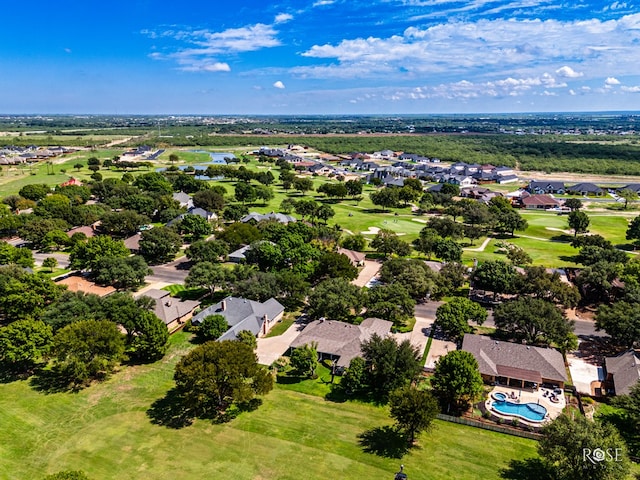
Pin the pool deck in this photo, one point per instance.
(527, 396)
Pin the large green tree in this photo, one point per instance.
(126, 273)
(578, 221)
(23, 343)
(215, 375)
(207, 251)
(496, 276)
(576, 448)
(621, 321)
(207, 275)
(533, 321)
(147, 335)
(335, 299)
(212, 327)
(456, 381)
(304, 359)
(335, 265)
(390, 365)
(88, 255)
(159, 245)
(453, 317)
(387, 242)
(124, 223)
(390, 302)
(633, 230)
(88, 349)
(413, 410)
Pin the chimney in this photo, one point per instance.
(223, 305)
(168, 304)
(265, 320)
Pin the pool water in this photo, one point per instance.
(529, 411)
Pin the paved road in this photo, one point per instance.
(63, 259)
(173, 272)
(582, 328)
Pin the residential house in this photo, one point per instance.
(88, 230)
(321, 169)
(504, 171)
(340, 341)
(623, 371)
(635, 187)
(242, 314)
(133, 242)
(258, 217)
(585, 189)
(479, 193)
(201, 212)
(546, 187)
(356, 258)
(183, 199)
(237, 256)
(539, 202)
(514, 364)
(507, 179)
(172, 311)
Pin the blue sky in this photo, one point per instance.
(319, 56)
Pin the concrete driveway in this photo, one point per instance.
(585, 375)
(370, 270)
(271, 348)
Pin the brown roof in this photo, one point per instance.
(340, 339)
(77, 283)
(495, 358)
(519, 373)
(133, 242)
(540, 200)
(625, 369)
(88, 231)
(169, 309)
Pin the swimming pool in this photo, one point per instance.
(532, 412)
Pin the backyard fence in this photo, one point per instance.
(487, 426)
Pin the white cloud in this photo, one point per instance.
(485, 46)
(635, 89)
(610, 81)
(568, 72)
(206, 67)
(206, 46)
(67, 50)
(279, 85)
(283, 18)
(321, 3)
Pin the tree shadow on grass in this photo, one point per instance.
(527, 469)
(51, 381)
(170, 411)
(386, 442)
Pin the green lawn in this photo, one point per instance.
(104, 430)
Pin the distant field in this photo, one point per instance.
(104, 431)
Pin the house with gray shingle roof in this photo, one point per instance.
(341, 341)
(183, 199)
(172, 311)
(514, 364)
(258, 217)
(623, 371)
(585, 189)
(242, 314)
